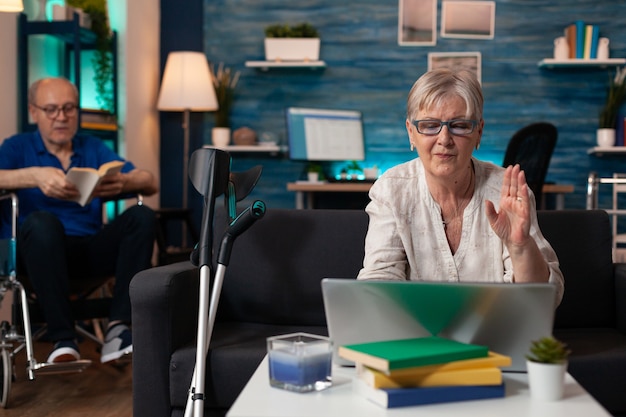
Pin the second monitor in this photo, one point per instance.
(325, 134)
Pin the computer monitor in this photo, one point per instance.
(325, 134)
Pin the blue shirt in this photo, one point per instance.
(26, 150)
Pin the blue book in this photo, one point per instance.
(403, 397)
(580, 39)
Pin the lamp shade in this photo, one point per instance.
(187, 83)
(11, 6)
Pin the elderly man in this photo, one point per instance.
(59, 240)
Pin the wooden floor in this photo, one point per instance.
(100, 390)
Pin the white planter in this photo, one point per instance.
(292, 49)
(546, 381)
(220, 136)
(605, 137)
(313, 176)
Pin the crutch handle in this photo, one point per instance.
(241, 223)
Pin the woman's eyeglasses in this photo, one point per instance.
(459, 127)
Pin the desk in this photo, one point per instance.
(258, 399)
(305, 188)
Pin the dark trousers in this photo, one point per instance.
(55, 263)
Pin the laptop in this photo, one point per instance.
(504, 317)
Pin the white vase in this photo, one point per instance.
(220, 136)
(603, 48)
(546, 380)
(561, 48)
(605, 137)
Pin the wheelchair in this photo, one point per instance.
(17, 334)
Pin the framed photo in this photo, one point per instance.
(468, 19)
(417, 22)
(456, 60)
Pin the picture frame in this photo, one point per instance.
(471, 61)
(468, 19)
(417, 22)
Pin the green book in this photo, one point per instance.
(389, 355)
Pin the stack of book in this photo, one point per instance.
(397, 373)
(97, 120)
(582, 39)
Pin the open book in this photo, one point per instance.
(86, 179)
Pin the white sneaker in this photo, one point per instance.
(117, 343)
(64, 351)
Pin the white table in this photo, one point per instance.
(258, 399)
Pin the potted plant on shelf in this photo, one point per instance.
(103, 58)
(315, 172)
(300, 42)
(546, 365)
(224, 81)
(616, 95)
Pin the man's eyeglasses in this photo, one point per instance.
(52, 112)
(459, 127)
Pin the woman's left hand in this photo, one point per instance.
(512, 222)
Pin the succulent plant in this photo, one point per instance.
(548, 350)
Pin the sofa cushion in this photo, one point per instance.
(236, 351)
(276, 266)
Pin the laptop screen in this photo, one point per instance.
(504, 317)
(325, 134)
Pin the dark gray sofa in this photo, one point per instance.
(272, 286)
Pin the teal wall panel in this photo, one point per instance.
(367, 70)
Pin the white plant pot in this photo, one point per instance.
(220, 136)
(313, 177)
(545, 380)
(605, 137)
(292, 49)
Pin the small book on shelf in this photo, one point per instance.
(389, 355)
(402, 397)
(97, 120)
(86, 179)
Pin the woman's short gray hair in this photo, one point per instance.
(443, 83)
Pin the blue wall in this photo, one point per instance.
(367, 70)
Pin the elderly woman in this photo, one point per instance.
(447, 216)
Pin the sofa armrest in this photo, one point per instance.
(165, 313)
(620, 295)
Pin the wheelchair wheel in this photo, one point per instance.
(7, 376)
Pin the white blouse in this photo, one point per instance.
(406, 238)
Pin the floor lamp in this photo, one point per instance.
(11, 6)
(187, 86)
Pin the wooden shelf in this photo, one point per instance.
(550, 63)
(266, 65)
(609, 150)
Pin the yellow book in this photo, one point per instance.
(472, 376)
(492, 360)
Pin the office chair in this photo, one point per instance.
(531, 147)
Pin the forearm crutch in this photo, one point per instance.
(209, 167)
